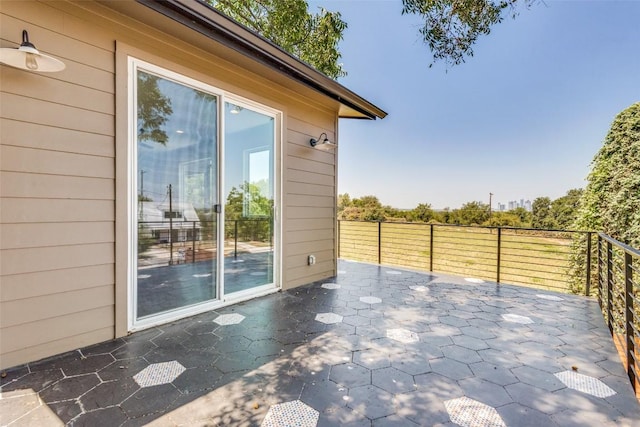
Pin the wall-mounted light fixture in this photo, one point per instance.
(322, 143)
(27, 57)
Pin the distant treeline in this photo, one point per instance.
(560, 213)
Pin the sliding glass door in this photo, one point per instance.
(177, 195)
(203, 187)
(249, 194)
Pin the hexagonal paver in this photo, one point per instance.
(403, 335)
(328, 318)
(371, 401)
(350, 375)
(549, 297)
(330, 286)
(159, 373)
(370, 300)
(471, 413)
(537, 378)
(516, 318)
(450, 368)
(229, 319)
(295, 413)
(372, 358)
(585, 384)
(393, 380)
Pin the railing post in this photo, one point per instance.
(600, 287)
(587, 289)
(628, 318)
(498, 261)
(610, 287)
(193, 245)
(431, 249)
(379, 242)
(235, 238)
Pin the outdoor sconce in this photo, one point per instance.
(27, 57)
(322, 143)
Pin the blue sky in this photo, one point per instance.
(523, 118)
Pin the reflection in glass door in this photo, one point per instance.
(177, 195)
(249, 138)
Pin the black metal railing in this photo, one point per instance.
(618, 291)
(532, 257)
(176, 242)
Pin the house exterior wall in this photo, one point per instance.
(63, 147)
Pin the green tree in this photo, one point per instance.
(423, 212)
(504, 219)
(611, 200)
(541, 214)
(252, 211)
(471, 213)
(523, 215)
(451, 27)
(565, 209)
(313, 38)
(154, 110)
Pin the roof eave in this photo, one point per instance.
(207, 21)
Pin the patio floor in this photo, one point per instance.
(373, 346)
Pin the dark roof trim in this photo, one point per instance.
(206, 20)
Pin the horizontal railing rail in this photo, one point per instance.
(618, 292)
(178, 241)
(526, 256)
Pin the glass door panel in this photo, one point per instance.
(249, 194)
(177, 193)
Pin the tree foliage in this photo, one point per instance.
(312, 38)
(154, 110)
(541, 214)
(611, 201)
(565, 209)
(252, 210)
(452, 27)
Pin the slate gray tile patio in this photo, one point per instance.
(448, 340)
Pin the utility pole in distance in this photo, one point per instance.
(490, 196)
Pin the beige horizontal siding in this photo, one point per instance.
(29, 285)
(309, 224)
(37, 235)
(26, 210)
(17, 184)
(37, 161)
(18, 261)
(310, 189)
(308, 212)
(34, 135)
(308, 247)
(21, 337)
(307, 177)
(310, 235)
(313, 201)
(18, 312)
(60, 92)
(52, 114)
